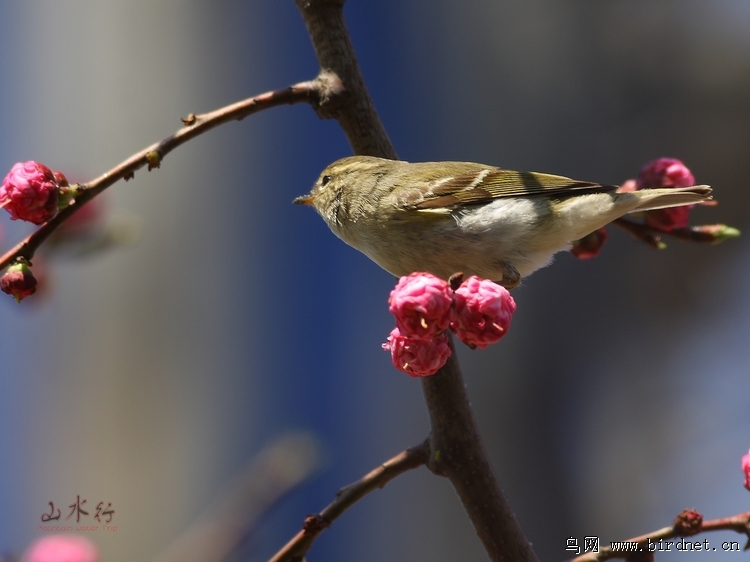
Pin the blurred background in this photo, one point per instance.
(151, 375)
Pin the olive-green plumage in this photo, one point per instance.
(445, 217)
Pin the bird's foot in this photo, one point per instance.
(511, 278)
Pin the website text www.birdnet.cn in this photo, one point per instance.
(591, 544)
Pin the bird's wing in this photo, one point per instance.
(483, 186)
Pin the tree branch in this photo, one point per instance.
(704, 234)
(352, 107)
(315, 524)
(312, 92)
(739, 523)
(458, 453)
(456, 447)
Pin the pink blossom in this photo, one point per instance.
(418, 358)
(590, 245)
(669, 219)
(627, 186)
(483, 312)
(666, 172)
(18, 281)
(61, 548)
(746, 469)
(30, 192)
(422, 305)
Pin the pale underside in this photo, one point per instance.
(482, 240)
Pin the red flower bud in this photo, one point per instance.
(18, 281)
(30, 191)
(669, 219)
(60, 178)
(688, 523)
(418, 358)
(422, 305)
(590, 245)
(666, 172)
(483, 312)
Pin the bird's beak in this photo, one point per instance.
(303, 200)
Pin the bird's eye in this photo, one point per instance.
(325, 180)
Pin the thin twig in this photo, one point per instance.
(704, 234)
(348, 496)
(311, 91)
(739, 523)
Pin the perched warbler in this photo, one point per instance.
(445, 217)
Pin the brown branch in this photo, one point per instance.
(704, 234)
(352, 107)
(315, 524)
(458, 453)
(312, 92)
(456, 447)
(739, 523)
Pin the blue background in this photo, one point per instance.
(150, 375)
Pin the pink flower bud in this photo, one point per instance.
(18, 281)
(483, 312)
(746, 469)
(666, 172)
(418, 358)
(61, 548)
(29, 192)
(60, 178)
(422, 305)
(590, 245)
(669, 219)
(688, 523)
(627, 186)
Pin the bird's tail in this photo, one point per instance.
(672, 197)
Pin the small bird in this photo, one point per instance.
(446, 217)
